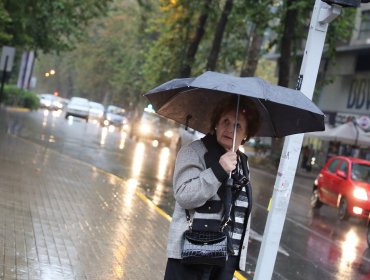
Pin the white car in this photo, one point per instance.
(96, 111)
(78, 107)
(50, 102)
(116, 116)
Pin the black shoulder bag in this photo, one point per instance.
(206, 241)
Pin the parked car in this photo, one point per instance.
(153, 127)
(50, 102)
(78, 107)
(368, 232)
(96, 111)
(344, 183)
(115, 116)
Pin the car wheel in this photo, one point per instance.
(368, 235)
(315, 199)
(342, 210)
(67, 116)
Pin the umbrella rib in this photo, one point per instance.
(268, 113)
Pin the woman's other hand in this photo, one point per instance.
(228, 161)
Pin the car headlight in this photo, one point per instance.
(58, 104)
(145, 129)
(360, 193)
(168, 133)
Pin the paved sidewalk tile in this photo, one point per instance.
(64, 219)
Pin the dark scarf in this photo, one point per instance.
(213, 154)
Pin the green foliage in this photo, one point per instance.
(171, 30)
(340, 31)
(143, 43)
(47, 25)
(4, 20)
(14, 96)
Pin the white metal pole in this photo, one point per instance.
(321, 16)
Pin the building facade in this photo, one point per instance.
(349, 95)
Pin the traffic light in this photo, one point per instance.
(347, 3)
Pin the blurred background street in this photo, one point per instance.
(43, 174)
(86, 163)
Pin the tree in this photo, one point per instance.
(218, 36)
(168, 40)
(195, 41)
(105, 65)
(4, 20)
(286, 48)
(259, 17)
(48, 25)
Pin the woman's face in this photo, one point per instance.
(225, 129)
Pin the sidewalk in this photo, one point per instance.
(63, 219)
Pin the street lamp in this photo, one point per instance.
(346, 3)
(51, 72)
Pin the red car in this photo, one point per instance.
(344, 182)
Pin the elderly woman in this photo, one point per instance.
(201, 171)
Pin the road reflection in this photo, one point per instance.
(137, 162)
(123, 140)
(336, 247)
(163, 163)
(348, 252)
(103, 136)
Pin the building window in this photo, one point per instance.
(363, 62)
(365, 26)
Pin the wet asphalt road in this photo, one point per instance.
(314, 245)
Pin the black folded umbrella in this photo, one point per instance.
(191, 101)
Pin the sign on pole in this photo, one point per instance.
(25, 70)
(7, 58)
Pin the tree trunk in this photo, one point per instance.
(193, 47)
(219, 33)
(290, 22)
(253, 55)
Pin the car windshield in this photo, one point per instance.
(360, 172)
(116, 110)
(78, 100)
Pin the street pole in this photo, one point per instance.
(322, 15)
(3, 80)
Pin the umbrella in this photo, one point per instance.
(347, 133)
(191, 101)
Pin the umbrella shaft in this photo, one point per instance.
(235, 124)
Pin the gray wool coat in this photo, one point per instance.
(193, 185)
